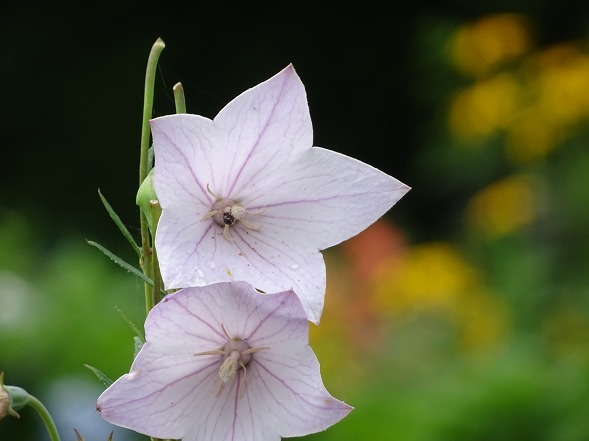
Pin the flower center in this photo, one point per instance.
(236, 357)
(237, 353)
(226, 212)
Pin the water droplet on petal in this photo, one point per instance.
(294, 267)
(195, 273)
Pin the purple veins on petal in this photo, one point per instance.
(249, 192)
(222, 362)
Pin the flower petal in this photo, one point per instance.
(171, 392)
(327, 198)
(200, 255)
(187, 154)
(181, 237)
(265, 124)
(290, 391)
(284, 383)
(158, 394)
(258, 154)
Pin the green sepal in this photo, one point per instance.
(19, 397)
(12, 398)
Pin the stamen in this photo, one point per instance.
(238, 354)
(211, 192)
(226, 212)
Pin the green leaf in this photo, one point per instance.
(127, 266)
(117, 220)
(101, 376)
(116, 259)
(132, 325)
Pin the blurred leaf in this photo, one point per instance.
(101, 376)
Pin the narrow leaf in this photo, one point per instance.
(78, 436)
(116, 259)
(101, 376)
(117, 220)
(132, 325)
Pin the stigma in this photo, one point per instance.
(227, 212)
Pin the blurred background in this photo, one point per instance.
(462, 315)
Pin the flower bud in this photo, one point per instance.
(4, 402)
(12, 398)
(148, 202)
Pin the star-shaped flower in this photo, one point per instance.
(246, 196)
(223, 362)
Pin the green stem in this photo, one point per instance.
(179, 98)
(45, 416)
(146, 252)
(157, 285)
(155, 210)
(154, 55)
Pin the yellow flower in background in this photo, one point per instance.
(435, 279)
(479, 47)
(485, 107)
(484, 319)
(537, 100)
(354, 330)
(532, 136)
(430, 275)
(557, 93)
(562, 83)
(503, 206)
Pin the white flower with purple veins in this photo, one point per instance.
(223, 362)
(246, 196)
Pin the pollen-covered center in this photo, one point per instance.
(226, 212)
(236, 354)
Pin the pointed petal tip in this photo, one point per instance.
(288, 70)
